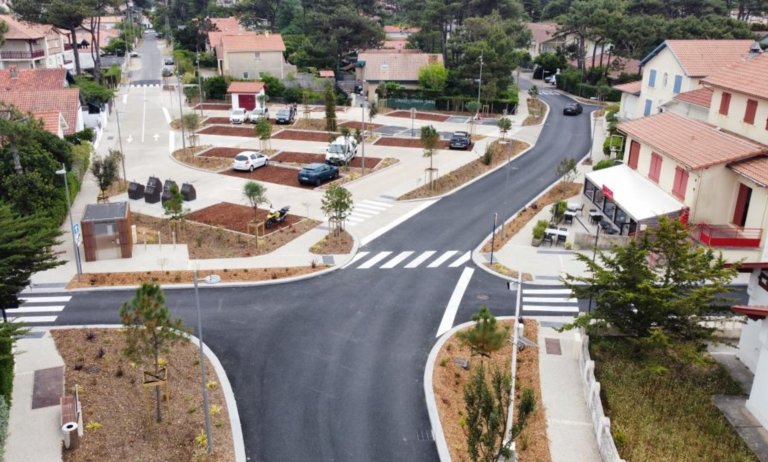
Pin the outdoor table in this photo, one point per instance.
(573, 206)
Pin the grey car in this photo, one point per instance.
(316, 174)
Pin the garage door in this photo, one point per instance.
(247, 102)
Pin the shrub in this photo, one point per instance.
(615, 141)
(538, 230)
(84, 135)
(215, 87)
(605, 163)
(275, 87)
(487, 157)
(3, 427)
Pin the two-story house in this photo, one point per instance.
(678, 66)
(381, 66)
(31, 46)
(250, 54)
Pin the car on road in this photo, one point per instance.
(134, 54)
(258, 113)
(460, 140)
(316, 174)
(284, 116)
(573, 109)
(168, 61)
(237, 116)
(250, 161)
(551, 79)
(341, 150)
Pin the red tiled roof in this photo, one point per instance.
(542, 31)
(616, 66)
(326, 73)
(398, 29)
(746, 76)
(699, 97)
(251, 41)
(51, 120)
(21, 30)
(228, 24)
(631, 87)
(752, 312)
(245, 87)
(397, 66)
(755, 169)
(691, 142)
(64, 100)
(394, 44)
(701, 58)
(32, 79)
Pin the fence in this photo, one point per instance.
(600, 423)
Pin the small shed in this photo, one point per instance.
(107, 231)
(326, 74)
(246, 95)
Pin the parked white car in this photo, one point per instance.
(341, 150)
(256, 114)
(237, 116)
(249, 161)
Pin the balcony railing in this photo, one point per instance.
(67, 46)
(728, 236)
(22, 54)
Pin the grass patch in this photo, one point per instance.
(660, 401)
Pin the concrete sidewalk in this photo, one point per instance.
(569, 427)
(34, 427)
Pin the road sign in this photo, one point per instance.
(76, 232)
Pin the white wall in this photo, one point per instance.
(662, 91)
(237, 64)
(628, 109)
(757, 403)
(734, 121)
(687, 110)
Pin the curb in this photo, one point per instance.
(478, 250)
(226, 387)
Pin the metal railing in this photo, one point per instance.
(729, 236)
(22, 54)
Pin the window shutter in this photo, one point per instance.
(647, 110)
(725, 102)
(749, 114)
(634, 153)
(678, 84)
(652, 78)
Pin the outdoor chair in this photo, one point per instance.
(548, 238)
(561, 238)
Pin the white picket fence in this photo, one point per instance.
(601, 424)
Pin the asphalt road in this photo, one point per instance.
(330, 369)
(151, 61)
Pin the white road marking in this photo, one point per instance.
(552, 309)
(129, 139)
(156, 136)
(170, 142)
(453, 304)
(357, 257)
(380, 206)
(548, 299)
(64, 298)
(396, 261)
(461, 260)
(32, 319)
(355, 220)
(420, 259)
(35, 309)
(167, 115)
(547, 291)
(379, 256)
(365, 214)
(144, 115)
(443, 258)
(125, 98)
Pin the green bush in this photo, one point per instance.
(527, 403)
(208, 59)
(4, 415)
(215, 87)
(84, 135)
(538, 230)
(605, 163)
(293, 94)
(615, 141)
(487, 156)
(275, 87)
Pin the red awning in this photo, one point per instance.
(752, 312)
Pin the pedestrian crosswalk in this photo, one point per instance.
(145, 85)
(366, 209)
(42, 308)
(549, 92)
(410, 259)
(556, 299)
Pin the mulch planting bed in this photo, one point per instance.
(407, 143)
(449, 380)
(355, 125)
(226, 153)
(271, 174)
(308, 158)
(334, 244)
(215, 106)
(228, 131)
(300, 135)
(536, 112)
(190, 156)
(236, 217)
(419, 116)
(117, 409)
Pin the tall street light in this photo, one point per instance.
(480, 82)
(199, 79)
(212, 279)
(515, 340)
(120, 140)
(181, 115)
(364, 106)
(63, 171)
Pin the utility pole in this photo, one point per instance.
(181, 115)
(480, 81)
(364, 106)
(199, 80)
(120, 140)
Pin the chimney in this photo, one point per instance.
(14, 72)
(755, 49)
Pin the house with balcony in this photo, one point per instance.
(678, 66)
(31, 46)
(249, 54)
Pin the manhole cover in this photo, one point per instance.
(483, 297)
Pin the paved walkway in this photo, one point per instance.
(569, 427)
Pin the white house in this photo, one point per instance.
(31, 46)
(246, 95)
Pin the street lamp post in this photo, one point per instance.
(181, 115)
(594, 255)
(364, 106)
(480, 81)
(120, 141)
(199, 80)
(493, 233)
(592, 146)
(63, 172)
(206, 410)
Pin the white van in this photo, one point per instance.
(341, 150)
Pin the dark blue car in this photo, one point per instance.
(316, 174)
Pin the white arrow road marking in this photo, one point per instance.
(129, 139)
(167, 115)
(156, 136)
(453, 304)
(125, 98)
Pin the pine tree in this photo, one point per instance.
(485, 336)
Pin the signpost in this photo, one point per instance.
(413, 117)
(76, 232)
